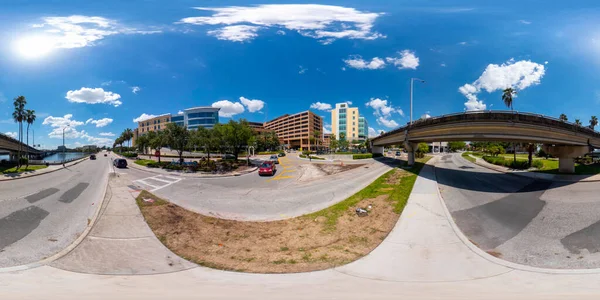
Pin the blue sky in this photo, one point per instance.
(97, 66)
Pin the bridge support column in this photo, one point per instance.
(410, 149)
(377, 149)
(566, 156)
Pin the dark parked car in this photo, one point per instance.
(267, 168)
(398, 153)
(104, 154)
(281, 154)
(93, 157)
(120, 163)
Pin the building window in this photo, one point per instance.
(352, 123)
(158, 126)
(154, 127)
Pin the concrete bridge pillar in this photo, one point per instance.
(566, 155)
(410, 148)
(377, 149)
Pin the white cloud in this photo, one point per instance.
(373, 132)
(135, 89)
(235, 33)
(386, 122)
(323, 22)
(442, 65)
(78, 31)
(180, 112)
(525, 22)
(59, 123)
(99, 123)
(106, 134)
(407, 60)
(302, 70)
(327, 128)
(280, 32)
(518, 75)
(11, 134)
(425, 116)
(228, 108)
(384, 112)
(144, 117)
(253, 105)
(463, 43)
(358, 63)
(321, 106)
(94, 96)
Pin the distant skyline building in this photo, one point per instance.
(347, 120)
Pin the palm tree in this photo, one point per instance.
(593, 122)
(563, 118)
(128, 135)
(19, 117)
(577, 122)
(507, 96)
(317, 134)
(29, 118)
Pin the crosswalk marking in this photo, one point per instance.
(158, 178)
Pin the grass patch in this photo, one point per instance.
(467, 156)
(398, 194)
(13, 170)
(154, 200)
(143, 162)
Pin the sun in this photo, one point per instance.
(33, 46)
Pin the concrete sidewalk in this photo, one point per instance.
(49, 169)
(537, 175)
(424, 257)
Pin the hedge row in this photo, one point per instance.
(362, 156)
(129, 154)
(510, 163)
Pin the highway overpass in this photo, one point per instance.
(562, 139)
(8, 144)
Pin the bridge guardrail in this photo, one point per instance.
(475, 116)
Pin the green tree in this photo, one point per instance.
(333, 143)
(178, 137)
(343, 143)
(29, 118)
(235, 135)
(156, 140)
(19, 116)
(206, 139)
(422, 148)
(128, 135)
(578, 122)
(593, 122)
(563, 118)
(455, 146)
(141, 143)
(507, 96)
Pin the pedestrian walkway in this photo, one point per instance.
(155, 183)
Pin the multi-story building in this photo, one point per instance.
(295, 131)
(326, 140)
(192, 118)
(347, 122)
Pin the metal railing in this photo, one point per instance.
(486, 116)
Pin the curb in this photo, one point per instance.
(72, 246)
(528, 174)
(465, 240)
(38, 174)
(149, 170)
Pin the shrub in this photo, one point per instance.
(173, 167)
(362, 156)
(377, 155)
(537, 164)
(542, 153)
(130, 154)
(23, 160)
(500, 161)
(584, 160)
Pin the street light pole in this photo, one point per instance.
(63, 132)
(411, 96)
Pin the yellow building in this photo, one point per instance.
(347, 121)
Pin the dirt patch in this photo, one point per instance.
(330, 169)
(295, 245)
(494, 253)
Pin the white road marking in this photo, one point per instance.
(174, 178)
(145, 183)
(162, 180)
(164, 186)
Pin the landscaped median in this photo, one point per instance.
(539, 164)
(328, 238)
(14, 170)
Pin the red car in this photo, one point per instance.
(267, 167)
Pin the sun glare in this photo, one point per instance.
(33, 46)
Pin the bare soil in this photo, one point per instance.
(295, 245)
(330, 169)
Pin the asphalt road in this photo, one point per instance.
(42, 215)
(255, 198)
(532, 222)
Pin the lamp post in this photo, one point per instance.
(63, 133)
(411, 96)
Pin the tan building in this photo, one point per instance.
(155, 124)
(326, 140)
(348, 121)
(295, 130)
